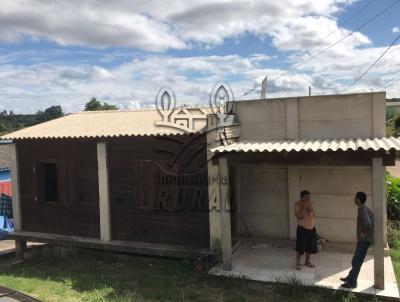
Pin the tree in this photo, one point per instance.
(109, 107)
(95, 105)
(49, 113)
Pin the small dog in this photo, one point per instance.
(320, 243)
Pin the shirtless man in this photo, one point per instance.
(306, 235)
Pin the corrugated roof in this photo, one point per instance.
(106, 124)
(5, 157)
(354, 144)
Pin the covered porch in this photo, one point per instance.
(264, 181)
(272, 260)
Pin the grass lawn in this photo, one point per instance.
(394, 243)
(102, 276)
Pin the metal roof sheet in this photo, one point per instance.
(5, 157)
(344, 144)
(92, 124)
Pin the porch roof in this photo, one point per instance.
(342, 144)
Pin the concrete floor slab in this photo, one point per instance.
(276, 263)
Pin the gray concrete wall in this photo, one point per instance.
(263, 201)
(263, 190)
(336, 116)
(262, 119)
(315, 117)
(333, 190)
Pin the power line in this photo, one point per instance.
(334, 43)
(356, 13)
(392, 80)
(347, 35)
(373, 64)
(388, 82)
(345, 22)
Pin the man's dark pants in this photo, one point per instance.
(357, 261)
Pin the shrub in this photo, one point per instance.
(393, 197)
(393, 234)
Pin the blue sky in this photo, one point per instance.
(122, 52)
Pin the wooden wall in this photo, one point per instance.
(148, 203)
(145, 205)
(78, 216)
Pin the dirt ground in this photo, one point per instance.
(394, 170)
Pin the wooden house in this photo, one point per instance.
(188, 183)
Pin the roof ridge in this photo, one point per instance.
(138, 110)
(115, 111)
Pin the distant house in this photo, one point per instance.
(5, 177)
(394, 106)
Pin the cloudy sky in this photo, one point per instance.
(123, 51)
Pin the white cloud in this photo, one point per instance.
(161, 25)
(353, 63)
(135, 84)
(293, 26)
(396, 29)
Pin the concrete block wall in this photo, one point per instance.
(336, 116)
(265, 206)
(314, 117)
(266, 194)
(260, 120)
(333, 190)
(263, 201)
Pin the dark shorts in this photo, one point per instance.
(306, 241)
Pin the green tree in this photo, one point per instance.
(109, 107)
(49, 113)
(95, 105)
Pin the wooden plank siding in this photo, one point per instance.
(135, 164)
(137, 214)
(77, 216)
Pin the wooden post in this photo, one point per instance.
(104, 194)
(378, 179)
(226, 237)
(16, 202)
(20, 248)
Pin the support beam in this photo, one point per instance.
(213, 189)
(226, 237)
(20, 248)
(214, 208)
(378, 191)
(293, 196)
(141, 248)
(379, 114)
(104, 193)
(16, 201)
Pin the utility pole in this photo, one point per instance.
(309, 90)
(263, 88)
